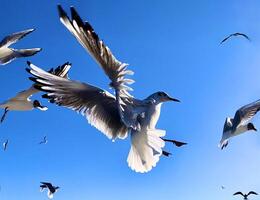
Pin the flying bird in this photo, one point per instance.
(234, 35)
(223, 187)
(44, 141)
(240, 123)
(5, 144)
(245, 195)
(8, 54)
(51, 189)
(22, 101)
(115, 116)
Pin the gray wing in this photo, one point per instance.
(113, 68)
(13, 38)
(228, 124)
(99, 106)
(25, 94)
(246, 113)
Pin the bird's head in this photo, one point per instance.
(161, 97)
(37, 104)
(250, 126)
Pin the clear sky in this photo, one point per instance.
(172, 46)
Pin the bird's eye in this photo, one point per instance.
(161, 94)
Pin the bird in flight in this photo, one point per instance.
(240, 123)
(5, 144)
(22, 101)
(51, 189)
(8, 54)
(234, 35)
(115, 116)
(44, 141)
(245, 195)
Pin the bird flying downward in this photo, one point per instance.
(22, 101)
(240, 123)
(51, 189)
(8, 54)
(5, 144)
(44, 141)
(115, 116)
(245, 195)
(234, 35)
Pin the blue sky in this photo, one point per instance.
(172, 46)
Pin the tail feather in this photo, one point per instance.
(145, 150)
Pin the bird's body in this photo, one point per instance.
(51, 189)
(240, 123)
(114, 115)
(8, 54)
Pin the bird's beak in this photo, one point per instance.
(254, 129)
(173, 99)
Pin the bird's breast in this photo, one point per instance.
(151, 116)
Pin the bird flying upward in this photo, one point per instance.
(235, 35)
(51, 189)
(240, 123)
(8, 54)
(115, 116)
(245, 195)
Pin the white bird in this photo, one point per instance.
(22, 101)
(5, 144)
(8, 54)
(115, 116)
(51, 189)
(240, 124)
(44, 141)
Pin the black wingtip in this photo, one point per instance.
(28, 63)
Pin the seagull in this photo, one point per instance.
(51, 189)
(235, 34)
(114, 115)
(9, 54)
(22, 101)
(239, 124)
(5, 144)
(245, 195)
(44, 141)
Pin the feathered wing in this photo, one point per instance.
(99, 106)
(252, 192)
(237, 193)
(113, 68)
(13, 38)
(146, 149)
(246, 113)
(227, 127)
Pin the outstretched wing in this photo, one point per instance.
(113, 68)
(99, 106)
(252, 192)
(25, 94)
(13, 38)
(246, 113)
(237, 193)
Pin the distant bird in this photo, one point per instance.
(22, 101)
(234, 35)
(239, 124)
(175, 142)
(51, 189)
(5, 144)
(245, 195)
(9, 54)
(115, 116)
(223, 187)
(44, 141)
